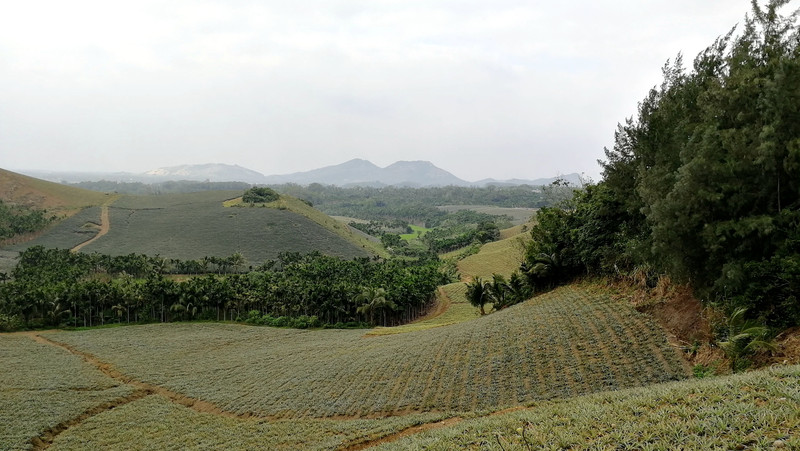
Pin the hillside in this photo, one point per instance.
(192, 226)
(572, 341)
(23, 190)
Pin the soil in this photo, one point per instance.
(105, 226)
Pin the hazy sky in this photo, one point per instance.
(481, 88)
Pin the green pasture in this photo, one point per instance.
(418, 232)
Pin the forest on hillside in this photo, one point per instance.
(702, 184)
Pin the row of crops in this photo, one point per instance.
(42, 386)
(564, 343)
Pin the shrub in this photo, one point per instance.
(260, 195)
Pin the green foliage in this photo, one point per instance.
(701, 371)
(703, 184)
(755, 410)
(744, 338)
(17, 219)
(260, 195)
(478, 294)
(192, 226)
(53, 286)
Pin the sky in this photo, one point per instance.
(502, 89)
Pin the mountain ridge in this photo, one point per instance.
(354, 172)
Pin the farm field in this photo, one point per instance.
(195, 225)
(756, 410)
(453, 308)
(568, 342)
(42, 386)
(572, 368)
(68, 233)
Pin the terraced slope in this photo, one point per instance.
(569, 342)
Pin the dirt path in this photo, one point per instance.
(110, 371)
(404, 433)
(105, 226)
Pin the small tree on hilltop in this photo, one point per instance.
(260, 195)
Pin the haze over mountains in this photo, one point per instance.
(356, 172)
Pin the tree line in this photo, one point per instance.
(53, 287)
(702, 185)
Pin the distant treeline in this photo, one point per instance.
(53, 287)
(415, 205)
(703, 185)
(170, 187)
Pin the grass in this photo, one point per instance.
(42, 386)
(21, 189)
(501, 257)
(418, 232)
(453, 304)
(568, 342)
(757, 410)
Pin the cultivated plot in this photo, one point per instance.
(568, 342)
(42, 387)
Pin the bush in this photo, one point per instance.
(259, 195)
(9, 323)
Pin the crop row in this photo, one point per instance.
(561, 344)
(42, 386)
(757, 410)
(198, 229)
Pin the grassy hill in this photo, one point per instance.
(195, 225)
(23, 190)
(501, 257)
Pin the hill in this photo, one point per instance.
(356, 172)
(31, 192)
(211, 172)
(192, 226)
(362, 172)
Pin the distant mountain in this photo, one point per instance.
(356, 172)
(360, 172)
(574, 179)
(212, 172)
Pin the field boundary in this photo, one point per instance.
(44, 440)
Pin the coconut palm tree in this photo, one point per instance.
(374, 300)
(478, 293)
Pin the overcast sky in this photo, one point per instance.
(482, 89)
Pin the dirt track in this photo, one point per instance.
(105, 226)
